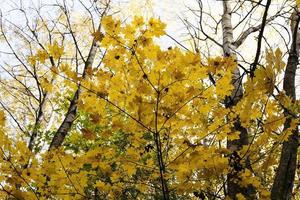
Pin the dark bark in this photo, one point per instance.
(159, 153)
(259, 39)
(285, 174)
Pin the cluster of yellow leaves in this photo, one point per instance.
(249, 179)
(142, 100)
(53, 50)
(41, 56)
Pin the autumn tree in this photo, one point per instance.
(93, 107)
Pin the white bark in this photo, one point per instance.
(233, 188)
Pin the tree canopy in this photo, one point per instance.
(93, 107)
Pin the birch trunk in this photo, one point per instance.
(233, 187)
(70, 116)
(285, 174)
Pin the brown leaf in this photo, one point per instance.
(98, 36)
(95, 118)
(88, 134)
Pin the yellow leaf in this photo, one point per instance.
(130, 169)
(239, 196)
(55, 50)
(224, 86)
(102, 186)
(233, 135)
(156, 27)
(32, 60)
(42, 56)
(2, 118)
(47, 86)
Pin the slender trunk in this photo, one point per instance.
(159, 152)
(162, 170)
(37, 123)
(285, 174)
(70, 116)
(233, 186)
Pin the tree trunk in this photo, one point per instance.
(233, 187)
(285, 174)
(37, 122)
(66, 125)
